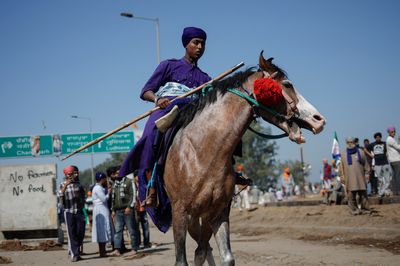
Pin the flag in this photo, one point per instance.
(335, 148)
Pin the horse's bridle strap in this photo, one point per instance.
(267, 136)
(255, 102)
(289, 100)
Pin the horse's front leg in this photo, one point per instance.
(202, 235)
(221, 233)
(180, 225)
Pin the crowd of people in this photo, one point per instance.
(362, 171)
(111, 205)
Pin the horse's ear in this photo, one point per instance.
(266, 64)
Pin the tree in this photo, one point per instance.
(259, 156)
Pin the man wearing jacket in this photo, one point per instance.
(122, 206)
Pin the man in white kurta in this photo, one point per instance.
(102, 229)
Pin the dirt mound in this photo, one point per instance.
(328, 224)
(16, 245)
(392, 245)
(5, 260)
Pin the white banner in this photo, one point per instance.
(27, 197)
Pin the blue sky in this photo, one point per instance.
(62, 58)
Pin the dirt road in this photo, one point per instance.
(317, 235)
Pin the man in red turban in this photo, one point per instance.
(72, 197)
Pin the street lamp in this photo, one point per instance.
(129, 15)
(91, 138)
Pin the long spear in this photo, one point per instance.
(89, 144)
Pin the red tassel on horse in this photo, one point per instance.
(267, 91)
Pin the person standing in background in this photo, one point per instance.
(72, 196)
(287, 183)
(102, 225)
(355, 172)
(393, 154)
(373, 181)
(123, 205)
(327, 174)
(377, 150)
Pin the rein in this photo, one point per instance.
(267, 136)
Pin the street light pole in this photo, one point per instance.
(91, 138)
(157, 22)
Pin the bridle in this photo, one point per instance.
(257, 107)
(249, 96)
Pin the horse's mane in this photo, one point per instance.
(209, 96)
(187, 114)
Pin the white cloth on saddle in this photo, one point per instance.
(172, 89)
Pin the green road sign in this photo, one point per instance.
(71, 142)
(56, 145)
(26, 146)
(118, 142)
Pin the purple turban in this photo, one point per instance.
(192, 32)
(391, 129)
(100, 176)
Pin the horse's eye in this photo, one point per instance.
(287, 84)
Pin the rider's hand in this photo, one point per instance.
(163, 102)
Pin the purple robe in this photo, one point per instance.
(141, 157)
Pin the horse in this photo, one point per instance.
(199, 174)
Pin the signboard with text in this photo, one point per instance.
(56, 145)
(26, 146)
(71, 142)
(28, 197)
(119, 142)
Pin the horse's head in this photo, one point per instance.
(294, 111)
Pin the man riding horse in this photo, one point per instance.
(171, 78)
